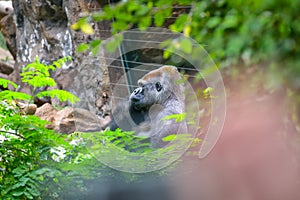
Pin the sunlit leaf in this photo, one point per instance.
(4, 83)
(75, 26)
(178, 117)
(87, 29)
(112, 45)
(159, 19)
(95, 45)
(187, 30)
(186, 46)
(145, 23)
(82, 47)
(60, 94)
(168, 138)
(179, 23)
(6, 94)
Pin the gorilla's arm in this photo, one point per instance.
(159, 127)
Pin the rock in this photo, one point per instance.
(6, 7)
(5, 55)
(64, 121)
(8, 30)
(86, 121)
(28, 109)
(5, 68)
(69, 120)
(4, 76)
(47, 112)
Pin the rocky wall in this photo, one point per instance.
(42, 28)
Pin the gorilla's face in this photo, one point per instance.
(146, 95)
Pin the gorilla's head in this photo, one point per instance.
(157, 87)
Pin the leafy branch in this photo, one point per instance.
(37, 75)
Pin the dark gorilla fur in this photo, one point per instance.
(160, 94)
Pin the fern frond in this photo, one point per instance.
(4, 83)
(60, 94)
(11, 95)
(39, 81)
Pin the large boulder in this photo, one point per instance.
(47, 112)
(69, 120)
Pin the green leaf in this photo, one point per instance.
(119, 26)
(168, 138)
(179, 23)
(230, 21)
(95, 46)
(82, 47)
(132, 6)
(60, 94)
(159, 19)
(18, 193)
(207, 92)
(4, 83)
(165, 43)
(143, 10)
(39, 81)
(186, 46)
(6, 94)
(166, 54)
(96, 16)
(235, 46)
(28, 195)
(42, 171)
(33, 190)
(144, 23)
(213, 22)
(112, 45)
(87, 29)
(178, 117)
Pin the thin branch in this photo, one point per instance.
(16, 134)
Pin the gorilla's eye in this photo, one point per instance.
(158, 86)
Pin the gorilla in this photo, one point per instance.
(159, 95)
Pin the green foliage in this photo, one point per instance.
(37, 75)
(28, 167)
(60, 94)
(12, 95)
(112, 45)
(178, 117)
(37, 163)
(84, 26)
(26, 157)
(4, 83)
(118, 138)
(126, 15)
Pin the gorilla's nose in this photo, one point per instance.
(137, 91)
(137, 94)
